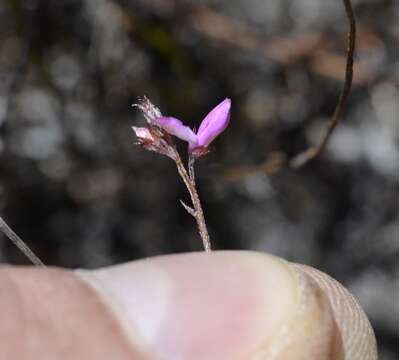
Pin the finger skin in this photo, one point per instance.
(50, 314)
(223, 305)
(351, 320)
(198, 306)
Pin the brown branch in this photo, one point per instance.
(271, 166)
(309, 154)
(275, 162)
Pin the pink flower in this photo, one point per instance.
(211, 126)
(175, 127)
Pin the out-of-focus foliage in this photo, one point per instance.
(76, 189)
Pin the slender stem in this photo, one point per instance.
(268, 167)
(189, 181)
(19, 243)
(309, 154)
(191, 172)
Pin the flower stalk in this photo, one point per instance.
(157, 137)
(196, 211)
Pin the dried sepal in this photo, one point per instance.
(153, 139)
(150, 111)
(143, 135)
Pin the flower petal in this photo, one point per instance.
(214, 123)
(175, 127)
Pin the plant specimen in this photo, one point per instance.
(157, 137)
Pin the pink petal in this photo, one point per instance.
(214, 124)
(175, 127)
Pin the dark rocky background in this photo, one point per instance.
(77, 190)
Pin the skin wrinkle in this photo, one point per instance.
(334, 349)
(90, 280)
(116, 325)
(270, 348)
(356, 332)
(290, 338)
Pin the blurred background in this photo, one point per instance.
(77, 190)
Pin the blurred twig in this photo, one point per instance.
(19, 243)
(309, 154)
(233, 32)
(269, 166)
(275, 162)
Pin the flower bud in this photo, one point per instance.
(213, 124)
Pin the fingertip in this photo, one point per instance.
(221, 305)
(226, 305)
